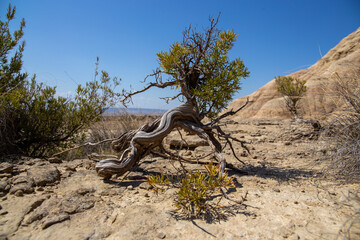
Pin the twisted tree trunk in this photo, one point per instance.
(136, 144)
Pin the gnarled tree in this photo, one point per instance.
(199, 68)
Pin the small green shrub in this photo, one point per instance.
(158, 182)
(197, 190)
(292, 89)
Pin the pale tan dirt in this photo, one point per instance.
(286, 199)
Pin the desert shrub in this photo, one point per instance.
(345, 128)
(292, 89)
(34, 121)
(197, 191)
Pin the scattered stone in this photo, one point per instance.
(161, 235)
(44, 175)
(244, 154)
(76, 204)
(67, 174)
(145, 186)
(21, 185)
(54, 220)
(19, 193)
(4, 187)
(332, 193)
(55, 160)
(6, 167)
(71, 167)
(83, 191)
(276, 190)
(130, 187)
(287, 143)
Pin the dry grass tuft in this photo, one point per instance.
(344, 130)
(109, 127)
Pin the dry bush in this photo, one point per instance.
(344, 129)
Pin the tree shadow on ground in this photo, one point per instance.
(272, 172)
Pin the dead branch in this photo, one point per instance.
(84, 145)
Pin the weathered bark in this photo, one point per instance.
(136, 144)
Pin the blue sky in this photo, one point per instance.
(63, 38)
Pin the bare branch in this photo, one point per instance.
(229, 113)
(84, 145)
(128, 96)
(167, 99)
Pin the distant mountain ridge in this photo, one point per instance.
(134, 111)
(267, 103)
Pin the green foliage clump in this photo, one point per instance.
(196, 190)
(33, 120)
(158, 182)
(201, 67)
(293, 90)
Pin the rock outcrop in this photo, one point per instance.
(267, 103)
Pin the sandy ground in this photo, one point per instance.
(286, 197)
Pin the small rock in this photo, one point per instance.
(287, 143)
(44, 175)
(77, 203)
(6, 167)
(19, 193)
(84, 191)
(4, 186)
(130, 187)
(244, 154)
(54, 220)
(71, 167)
(276, 190)
(21, 185)
(161, 235)
(146, 195)
(145, 186)
(67, 174)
